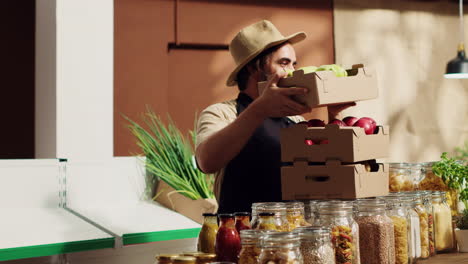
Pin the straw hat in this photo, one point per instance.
(254, 39)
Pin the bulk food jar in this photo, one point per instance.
(227, 244)
(250, 250)
(279, 215)
(442, 223)
(415, 226)
(427, 202)
(310, 211)
(338, 215)
(400, 177)
(207, 236)
(280, 248)
(376, 229)
(420, 209)
(316, 245)
(397, 211)
(295, 215)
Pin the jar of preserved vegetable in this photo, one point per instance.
(427, 202)
(397, 211)
(376, 229)
(227, 244)
(280, 248)
(338, 215)
(295, 215)
(250, 250)
(207, 236)
(266, 221)
(165, 258)
(442, 223)
(242, 221)
(279, 211)
(316, 245)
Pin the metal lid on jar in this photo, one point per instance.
(266, 214)
(166, 257)
(225, 215)
(242, 214)
(184, 260)
(209, 214)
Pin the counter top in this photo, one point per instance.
(448, 258)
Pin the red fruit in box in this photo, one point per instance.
(367, 123)
(309, 142)
(337, 122)
(316, 123)
(350, 120)
(303, 123)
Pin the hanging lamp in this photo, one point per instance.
(458, 67)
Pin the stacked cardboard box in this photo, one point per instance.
(332, 161)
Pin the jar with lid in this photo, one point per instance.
(338, 215)
(427, 202)
(415, 227)
(400, 177)
(417, 174)
(242, 221)
(310, 211)
(442, 223)
(280, 248)
(201, 258)
(376, 229)
(423, 222)
(227, 244)
(397, 211)
(279, 218)
(266, 221)
(165, 258)
(207, 236)
(250, 250)
(295, 215)
(254, 215)
(184, 260)
(316, 245)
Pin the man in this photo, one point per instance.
(238, 140)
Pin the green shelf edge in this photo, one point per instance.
(138, 238)
(55, 249)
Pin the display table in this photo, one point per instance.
(447, 258)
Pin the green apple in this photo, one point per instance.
(337, 69)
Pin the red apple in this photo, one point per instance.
(316, 123)
(367, 123)
(350, 120)
(309, 142)
(337, 122)
(303, 123)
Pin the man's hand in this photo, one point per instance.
(277, 102)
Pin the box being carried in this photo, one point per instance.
(333, 180)
(327, 89)
(347, 144)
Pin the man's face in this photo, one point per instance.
(282, 59)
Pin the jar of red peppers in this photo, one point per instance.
(242, 221)
(338, 215)
(228, 244)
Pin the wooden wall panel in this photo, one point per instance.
(190, 80)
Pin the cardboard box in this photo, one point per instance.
(327, 89)
(347, 144)
(193, 209)
(332, 180)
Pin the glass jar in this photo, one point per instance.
(184, 260)
(415, 226)
(442, 223)
(227, 244)
(165, 258)
(266, 221)
(280, 248)
(207, 236)
(400, 177)
(397, 211)
(254, 215)
(250, 251)
(338, 215)
(279, 218)
(376, 229)
(242, 221)
(316, 245)
(427, 202)
(310, 211)
(295, 215)
(423, 223)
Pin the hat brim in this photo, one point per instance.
(294, 38)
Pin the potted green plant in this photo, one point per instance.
(169, 161)
(461, 232)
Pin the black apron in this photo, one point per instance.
(254, 175)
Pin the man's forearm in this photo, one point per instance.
(215, 152)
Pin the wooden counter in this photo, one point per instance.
(449, 258)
